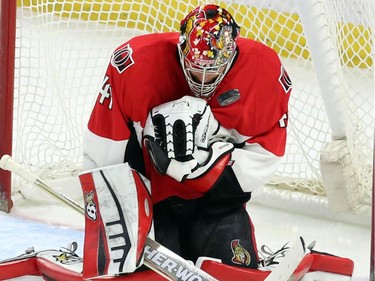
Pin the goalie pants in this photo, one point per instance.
(214, 226)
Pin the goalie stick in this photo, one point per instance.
(154, 252)
(7, 163)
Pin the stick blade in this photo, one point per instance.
(172, 266)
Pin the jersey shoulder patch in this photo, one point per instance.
(284, 80)
(122, 58)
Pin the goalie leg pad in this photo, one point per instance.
(118, 217)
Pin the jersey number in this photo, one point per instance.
(106, 92)
(282, 121)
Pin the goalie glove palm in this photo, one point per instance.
(177, 135)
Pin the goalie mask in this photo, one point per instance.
(207, 47)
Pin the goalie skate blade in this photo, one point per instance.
(284, 271)
(170, 265)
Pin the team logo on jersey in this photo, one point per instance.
(122, 58)
(240, 254)
(228, 97)
(90, 205)
(284, 80)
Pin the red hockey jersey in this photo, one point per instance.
(145, 72)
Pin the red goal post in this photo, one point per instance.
(7, 53)
(63, 47)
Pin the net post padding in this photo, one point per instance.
(337, 168)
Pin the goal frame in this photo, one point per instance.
(7, 60)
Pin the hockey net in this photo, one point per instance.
(63, 47)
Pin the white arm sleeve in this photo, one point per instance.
(254, 166)
(102, 152)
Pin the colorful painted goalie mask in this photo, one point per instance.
(207, 47)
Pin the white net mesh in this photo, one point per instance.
(63, 48)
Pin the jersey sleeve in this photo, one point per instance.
(107, 132)
(256, 162)
(262, 126)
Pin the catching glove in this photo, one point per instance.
(177, 136)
